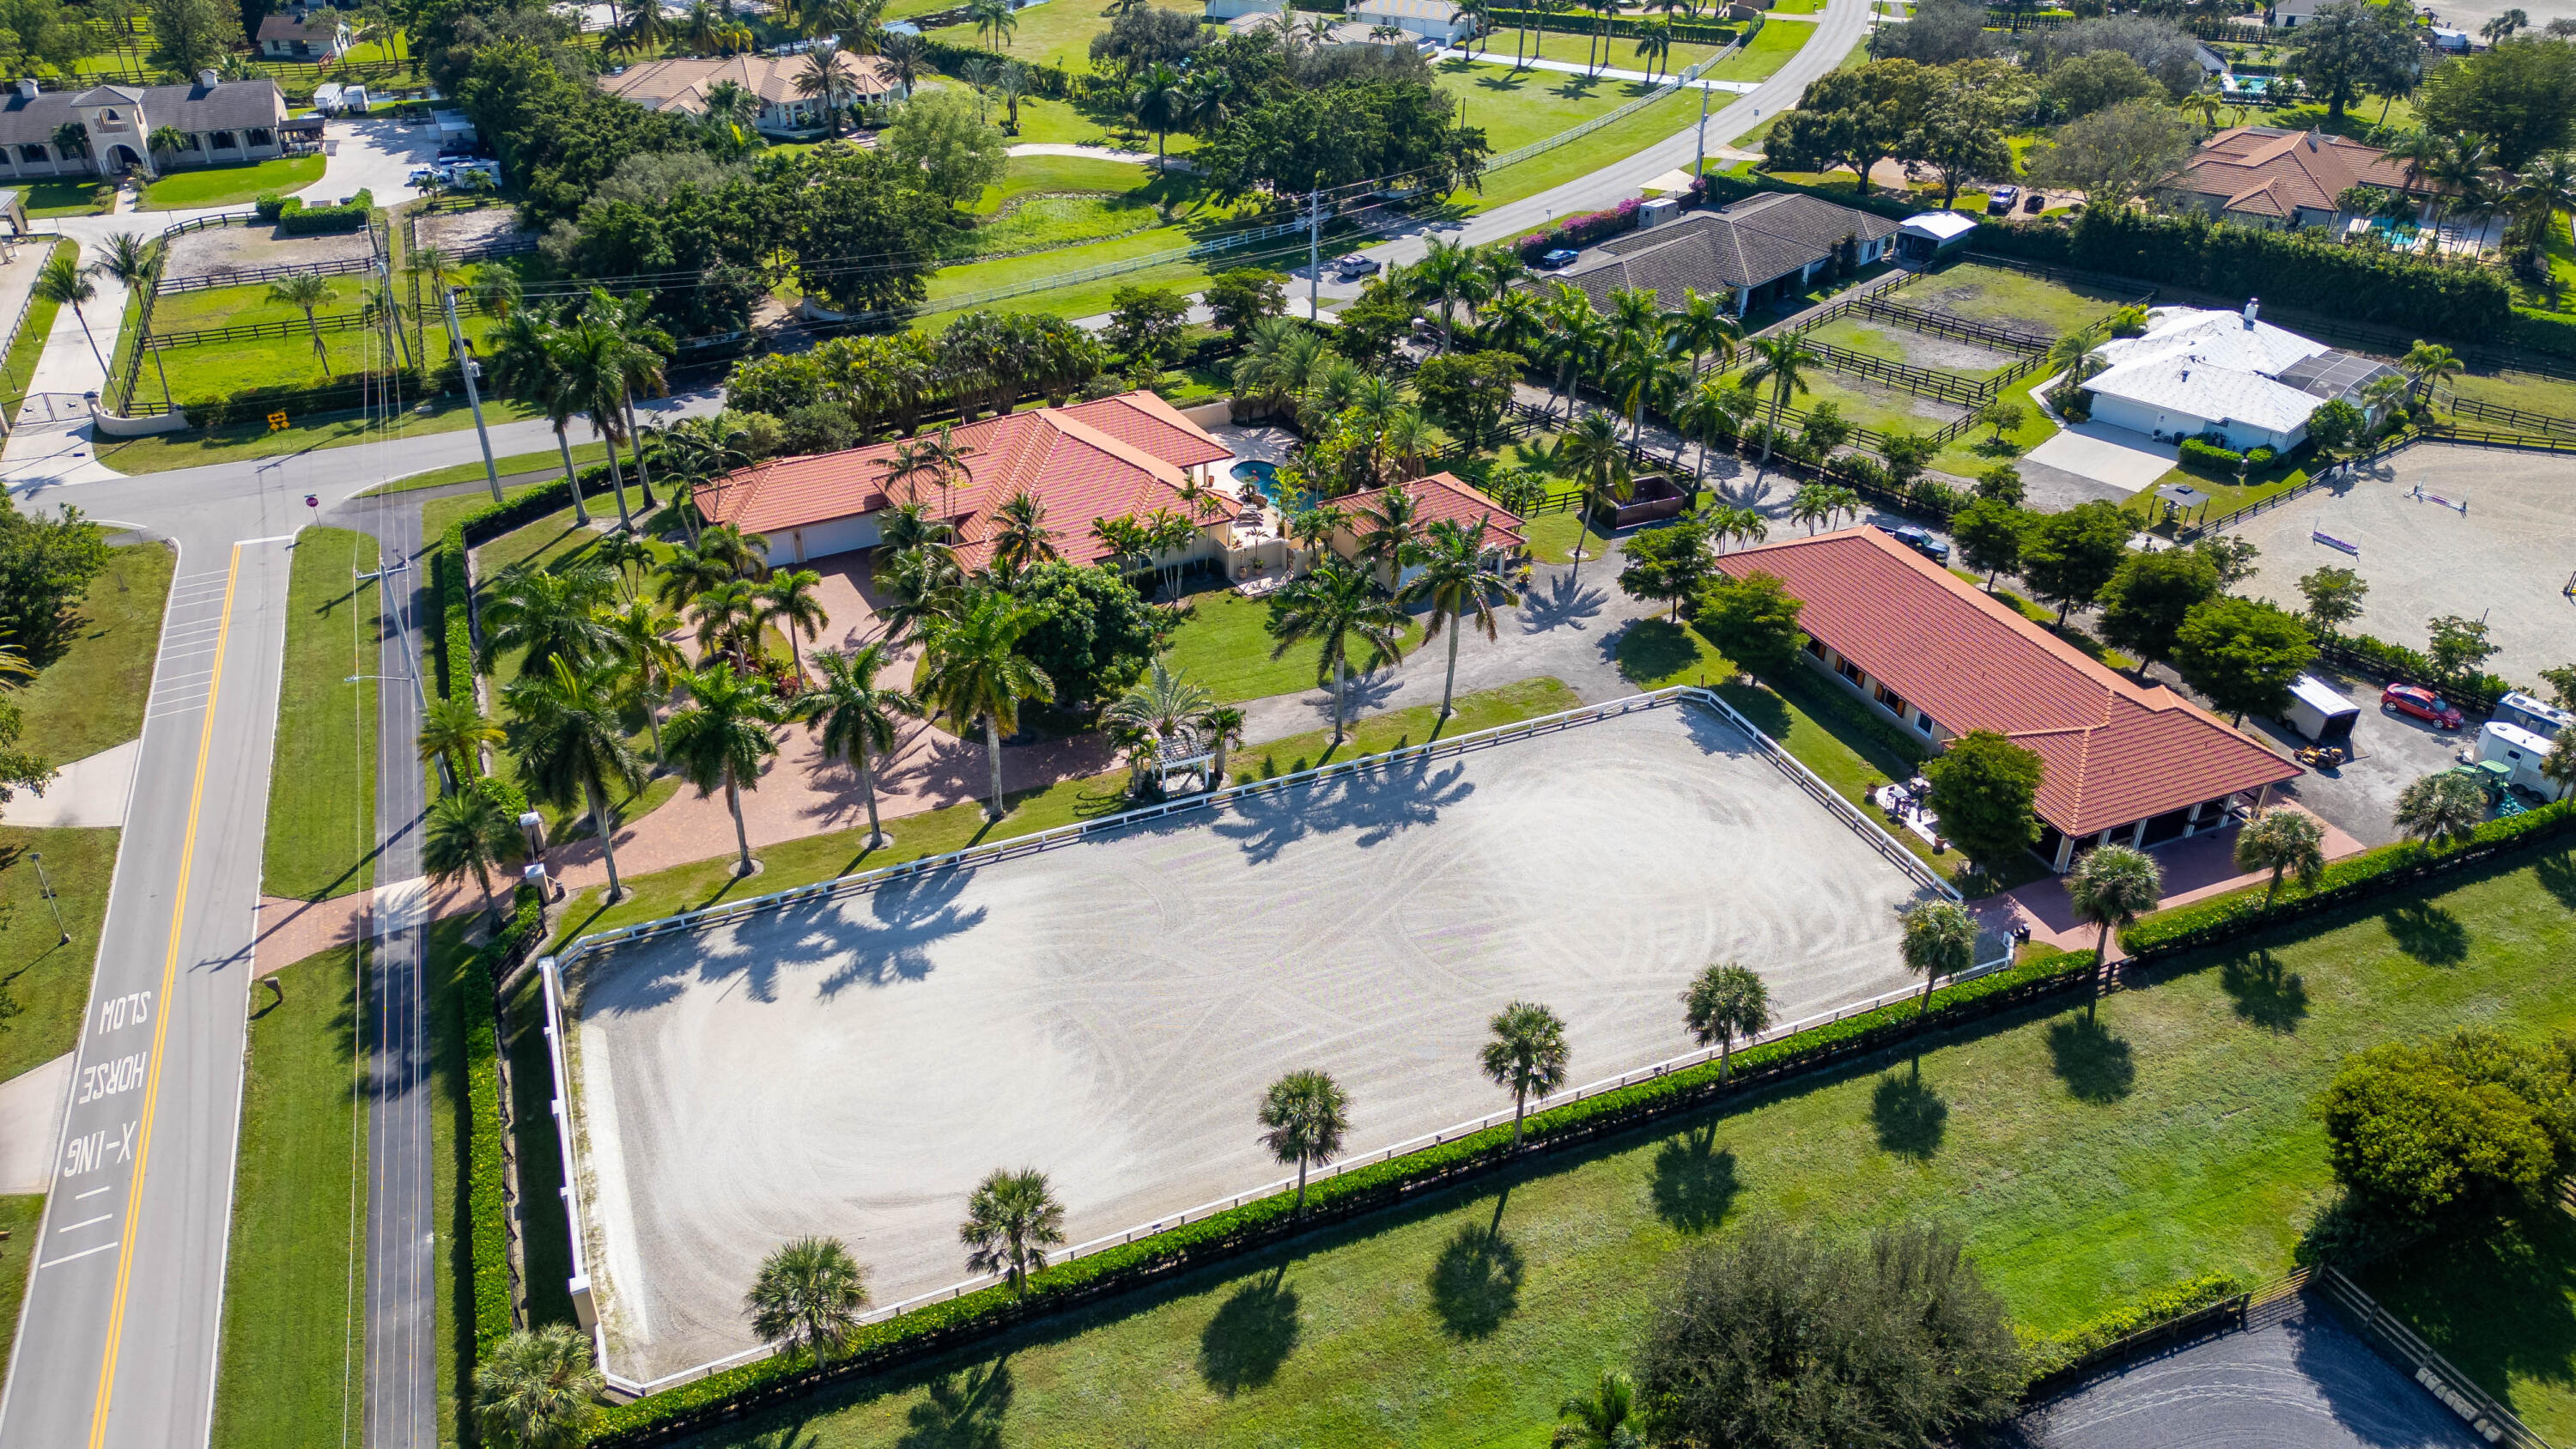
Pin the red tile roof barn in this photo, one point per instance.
(1104, 459)
(2113, 751)
(1447, 498)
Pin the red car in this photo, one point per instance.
(2422, 703)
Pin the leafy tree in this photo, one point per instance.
(1726, 1001)
(570, 744)
(1989, 534)
(2519, 95)
(1672, 563)
(2242, 655)
(1958, 134)
(1772, 1339)
(2336, 424)
(855, 716)
(1244, 296)
(1940, 33)
(192, 35)
(2001, 484)
(2450, 1132)
(1337, 606)
(723, 738)
(1940, 940)
(2115, 155)
(1466, 392)
(2353, 47)
(1298, 138)
(957, 153)
(1852, 118)
(1753, 621)
(537, 1388)
(975, 667)
(2080, 85)
(1455, 575)
(1983, 790)
(1146, 325)
(1011, 1221)
(866, 232)
(2233, 557)
(1094, 634)
(2459, 646)
(2562, 685)
(2002, 415)
(2068, 558)
(2149, 596)
(46, 563)
(807, 1297)
(1303, 1117)
(2111, 887)
(2284, 842)
(2442, 809)
(1527, 1055)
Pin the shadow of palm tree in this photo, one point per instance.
(2428, 933)
(1911, 1118)
(960, 1411)
(2265, 995)
(1561, 599)
(2558, 877)
(1253, 1332)
(2095, 1065)
(1476, 1281)
(1695, 1182)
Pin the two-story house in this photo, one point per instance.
(217, 122)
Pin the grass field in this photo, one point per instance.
(322, 787)
(1769, 51)
(2502, 1310)
(1029, 174)
(1893, 342)
(29, 342)
(19, 1217)
(294, 1320)
(1058, 33)
(252, 439)
(1972, 452)
(936, 832)
(1871, 405)
(1059, 221)
(2011, 299)
(91, 696)
(1225, 647)
(231, 185)
(49, 199)
(2529, 391)
(46, 978)
(1556, 45)
(2085, 1164)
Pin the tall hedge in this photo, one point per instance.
(486, 1188)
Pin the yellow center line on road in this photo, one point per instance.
(161, 1026)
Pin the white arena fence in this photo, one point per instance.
(552, 968)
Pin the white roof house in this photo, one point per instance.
(1432, 19)
(2197, 371)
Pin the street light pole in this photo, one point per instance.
(45, 884)
(1314, 252)
(473, 397)
(1699, 163)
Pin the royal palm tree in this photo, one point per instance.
(1456, 576)
(972, 669)
(729, 621)
(1591, 454)
(1158, 103)
(1702, 327)
(721, 740)
(467, 832)
(2112, 887)
(993, 21)
(688, 573)
(523, 366)
(1655, 45)
(2284, 842)
(305, 294)
(640, 640)
(642, 27)
(787, 598)
(456, 730)
(1389, 529)
(821, 77)
(638, 348)
(807, 1297)
(1783, 363)
(544, 614)
(1940, 940)
(1303, 1117)
(2443, 809)
(1337, 606)
(1011, 1221)
(1515, 322)
(1713, 410)
(1311, 529)
(589, 362)
(1021, 538)
(2428, 365)
(1445, 273)
(1726, 1001)
(565, 734)
(855, 716)
(537, 1389)
(1526, 1056)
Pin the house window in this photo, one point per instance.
(1848, 670)
(32, 154)
(220, 140)
(261, 137)
(1816, 646)
(1894, 701)
(1923, 722)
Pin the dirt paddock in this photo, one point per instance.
(223, 250)
(1110, 1011)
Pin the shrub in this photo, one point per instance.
(1579, 230)
(2258, 455)
(2154, 1310)
(270, 206)
(2456, 1130)
(2207, 457)
(300, 220)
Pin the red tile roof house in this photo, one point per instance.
(1440, 498)
(2122, 763)
(1106, 459)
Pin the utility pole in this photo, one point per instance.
(1699, 163)
(465, 367)
(1314, 252)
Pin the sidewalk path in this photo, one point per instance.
(87, 792)
(1102, 153)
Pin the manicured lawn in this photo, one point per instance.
(936, 832)
(1583, 50)
(2225, 493)
(19, 1217)
(1518, 107)
(1056, 33)
(1225, 646)
(210, 373)
(1769, 51)
(29, 342)
(2012, 299)
(1575, 159)
(294, 1300)
(46, 199)
(240, 306)
(322, 787)
(2529, 391)
(1868, 404)
(1894, 342)
(2086, 1165)
(2502, 1310)
(47, 979)
(1060, 221)
(252, 439)
(91, 697)
(231, 185)
(1027, 174)
(1974, 451)
(523, 466)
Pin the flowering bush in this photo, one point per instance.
(1579, 230)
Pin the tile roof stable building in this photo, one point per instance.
(1761, 249)
(2122, 763)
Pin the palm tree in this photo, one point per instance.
(305, 293)
(2074, 358)
(993, 21)
(565, 735)
(688, 573)
(855, 715)
(128, 258)
(788, 599)
(807, 1297)
(972, 668)
(1782, 362)
(588, 360)
(1591, 454)
(1011, 1221)
(642, 26)
(1701, 326)
(1013, 86)
(907, 58)
(636, 352)
(521, 350)
(2428, 365)
(1158, 103)
(1655, 44)
(62, 282)
(1726, 1001)
(2442, 809)
(1304, 1115)
(1021, 539)
(468, 831)
(456, 730)
(1338, 607)
(1444, 273)
(722, 738)
(735, 107)
(1606, 1418)
(547, 614)
(1457, 578)
(821, 75)
(1713, 410)
(1527, 1055)
(1222, 727)
(1940, 940)
(2546, 187)
(2284, 842)
(1160, 706)
(640, 639)
(537, 1389)
(1311, 529)
(1389, 529)
(436, 270)
(2112, 887)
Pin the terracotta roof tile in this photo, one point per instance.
(1447, 498)
(2112, 751)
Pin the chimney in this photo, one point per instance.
(2312, 140)
(27, 87)
(207, 79)
(2252, 305)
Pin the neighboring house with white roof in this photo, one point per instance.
(2195, 373)
(2291, 14)
(1436, 20)
(304, 33)
(1231, 9)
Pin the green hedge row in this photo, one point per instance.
(2544, 332)
(2096, 1345)
(2208, 457)
(751, 1387)
(487, 1195)
(2413, 666)
(2371, 873)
